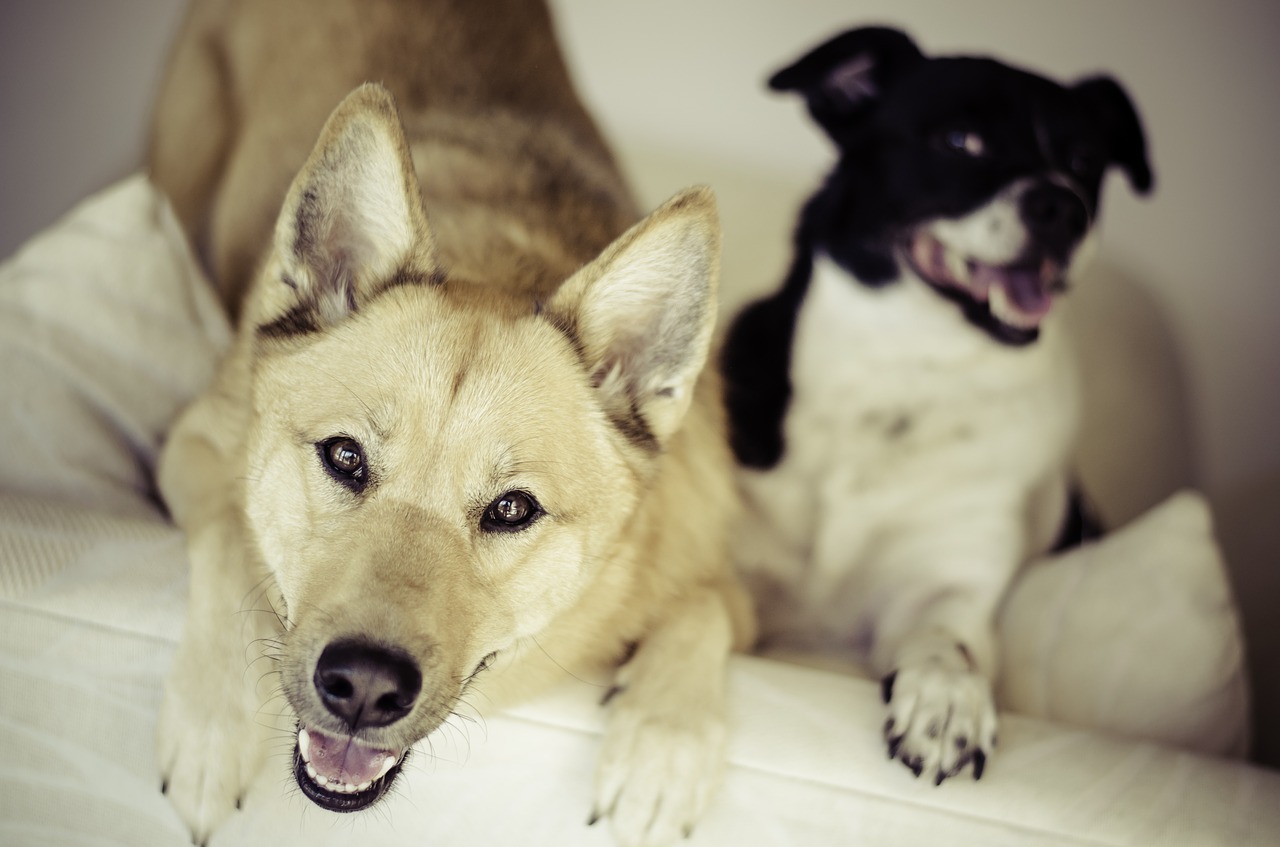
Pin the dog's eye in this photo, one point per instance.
(964, 142)
(344, 459)
(512, 511)
(1085, 162)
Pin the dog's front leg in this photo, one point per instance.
(665, 743)
(211, 736)
(934, 644)
(211, 733)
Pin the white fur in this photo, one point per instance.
(903, 418)
(924, 464)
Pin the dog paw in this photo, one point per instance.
(657, 772)
(209, 745)
(940, 721)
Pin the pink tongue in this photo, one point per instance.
(1025, 288)
(345, 760)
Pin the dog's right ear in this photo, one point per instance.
(841, 79)
(642, 315)
(353, 220)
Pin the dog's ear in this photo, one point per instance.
(643, 312)
(1108, 104)
(841, 79)
(353, 220)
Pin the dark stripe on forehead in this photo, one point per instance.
(409, 276)
(300, 320)
(303, 319)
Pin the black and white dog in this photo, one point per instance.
(903, 408)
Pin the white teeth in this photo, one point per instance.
(1000, 306)
(364, 786)
(304, 745)
(1006, 312)
(311, 772)
(388, 764)
(957, 265)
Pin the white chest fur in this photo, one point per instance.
(905, 422)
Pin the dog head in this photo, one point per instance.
(980, 179)
(437, 471)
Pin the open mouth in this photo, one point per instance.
(342, 774)
(1017, 295)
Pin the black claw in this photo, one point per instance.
(594, 819)
(164, 787)
(979, 763)
(888, 728)
(894, 744)
(940, 777)
(614, 691)
(239, 803)
(917, 766)
(886, 687)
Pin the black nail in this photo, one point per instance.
(886, 687)
(594, 819)
(979, 763)
(613, 691)
(894, 744)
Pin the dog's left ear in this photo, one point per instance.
(843, 78)
(353, 219)
(643, 312)
(1110, 106)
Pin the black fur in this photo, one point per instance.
(894, 115)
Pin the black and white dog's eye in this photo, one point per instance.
(344, 459)
(964, 142)
(1085, 162)
(513, 511)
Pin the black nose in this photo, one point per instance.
(366, 685)
(1056, 216)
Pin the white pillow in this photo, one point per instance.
(1135, 634)
(107, 328)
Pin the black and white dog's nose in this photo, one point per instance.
(1055, 216)
(366, 685)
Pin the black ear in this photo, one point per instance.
(1111, 107)
(845, 76)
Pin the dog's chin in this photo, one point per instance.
(1008, 301)
(341, 774)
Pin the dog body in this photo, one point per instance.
(463, 442)
(903, 409)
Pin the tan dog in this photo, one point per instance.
(461, 438)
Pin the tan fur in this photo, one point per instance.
(452, 284)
